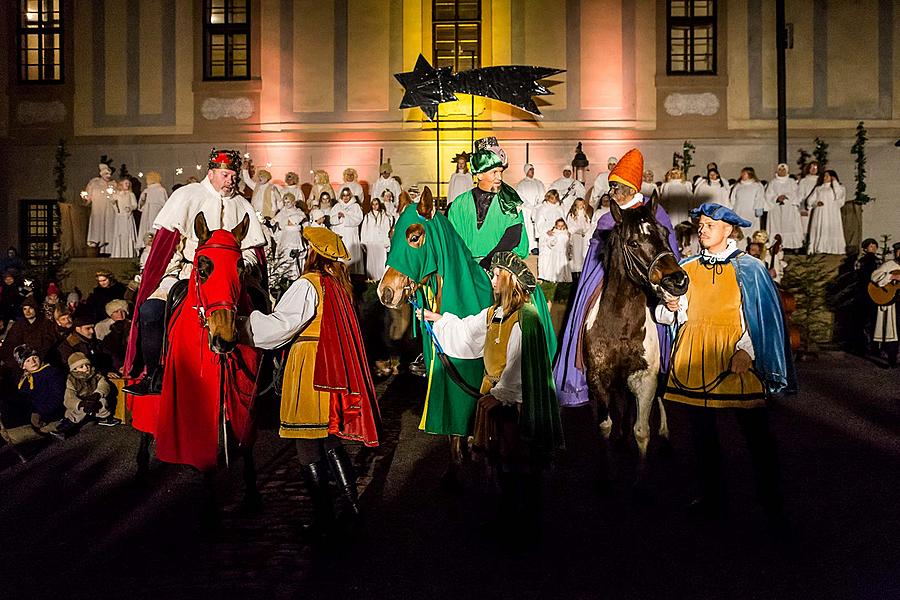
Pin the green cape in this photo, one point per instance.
(502, 214)
(539, 421)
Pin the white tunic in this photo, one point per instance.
(711, 191)
(295, 309)
(569, 190)
(267, 199)
(579, 228)
(601, 186)
(647, 189)
(221, 212)
(784, 217)
(375, 235)
(152, 200)
(748, 197)
(387, 184)
(826, 229)
(466, 338)
(805, 188)
(346, 218)
(555, 255)
(316, 191)
(460, 183)
(101, 226)
(677, 198)
(124, 242)
(531, 191)
(290, 222)
(886, 321)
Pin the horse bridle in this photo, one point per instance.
(202, 308)
(632, 263)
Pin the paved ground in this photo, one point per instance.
(74, 523)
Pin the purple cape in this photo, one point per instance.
(571, 384)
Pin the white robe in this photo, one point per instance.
(677, 198)
(784, 219)
(579, 228)
(124, 242)
(152, 200)
(826, 228)
(267, 199)
(316, 191)
(556, 257)
(804, 188)
(569, 190)
(290, 222)
(711, 191)
(886, 321)
(460, 183)
(531, 191)
(221, 212)
(602, 210)
(102, 224)
(600, 187)
(347, 226)
(387, 184)
(545, 216)
(748, 197)
(647, 189)
(466, 338)
(375, 235)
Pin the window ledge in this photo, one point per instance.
(236, 86)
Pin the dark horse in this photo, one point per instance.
(621, 343)
(210, 380)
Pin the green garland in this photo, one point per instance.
(59, 169)
(803, 160)
(859, 149)
(687, 153)
(821, 153)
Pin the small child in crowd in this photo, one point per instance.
(87, 395)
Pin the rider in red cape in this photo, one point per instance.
(199, 382)
(170, 260)
(327, 393)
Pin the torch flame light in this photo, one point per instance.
(140, 173)
(246, 155)
(84, 195)
(198, 167)
(179, 171)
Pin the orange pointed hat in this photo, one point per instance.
(629, 170)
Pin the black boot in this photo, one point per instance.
(345, 478)
(315, 477)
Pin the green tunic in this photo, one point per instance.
(502, 214)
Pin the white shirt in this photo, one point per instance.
(569, 189)
(465, 338)
(295, 309)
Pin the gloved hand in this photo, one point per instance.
(92, 403)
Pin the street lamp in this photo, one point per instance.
(580, 163)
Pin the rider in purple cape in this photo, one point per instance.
(568, 370)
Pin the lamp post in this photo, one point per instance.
(580, 163)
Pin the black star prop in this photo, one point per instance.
(427, 87)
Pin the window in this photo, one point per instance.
(226, 39)
(39, 35)
(691, 37)
(457, 34)
(39, 225)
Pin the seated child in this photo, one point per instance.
(42, 385)
(87, 395)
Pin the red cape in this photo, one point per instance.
(343, 369)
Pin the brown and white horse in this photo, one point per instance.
(621, 343)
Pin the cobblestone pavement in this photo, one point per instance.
(75, 524)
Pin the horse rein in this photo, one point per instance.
(632, 263)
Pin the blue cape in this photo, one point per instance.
(761, 305)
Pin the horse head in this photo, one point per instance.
(411, 260)
(643, 246)
(218, 267)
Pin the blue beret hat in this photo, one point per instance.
(717, 212)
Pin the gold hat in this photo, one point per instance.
(326, 242)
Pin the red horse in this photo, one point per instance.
(209, 380)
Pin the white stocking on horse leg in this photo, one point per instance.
(663, 420)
